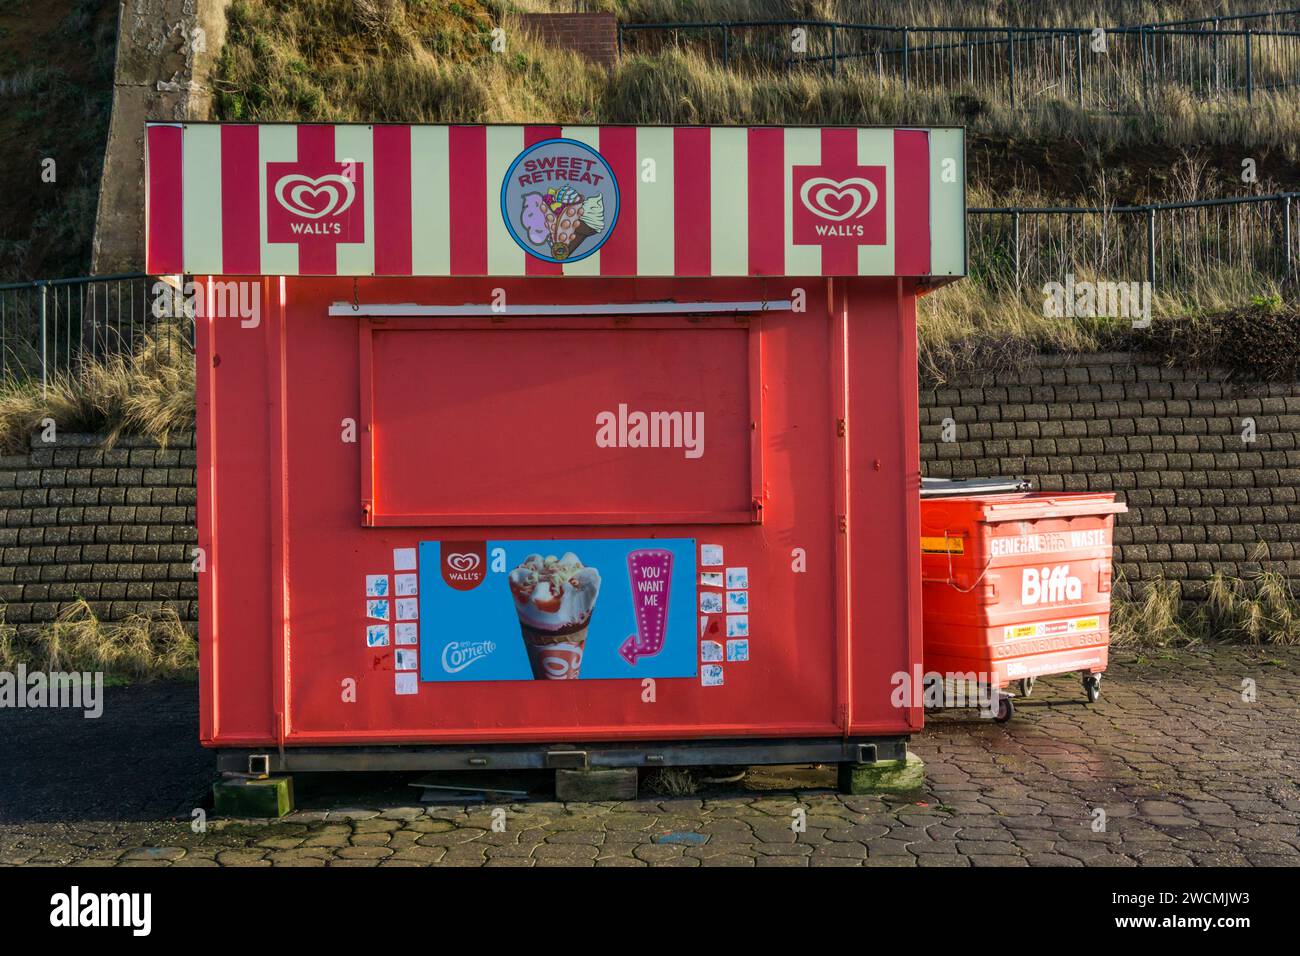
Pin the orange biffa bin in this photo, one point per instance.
(1017, 586)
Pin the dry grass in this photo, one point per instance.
(896, 12)
(150, 392)
(1262, 608)
(1154, 618)
(333, 60)
(142, 647)
(1231, 319)
(671, 782)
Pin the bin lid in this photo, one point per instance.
(951, 487)
(1041, 504)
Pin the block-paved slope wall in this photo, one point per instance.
(114, 526)
(1168, 441)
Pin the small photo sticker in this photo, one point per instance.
(403, 559)
(710, 651)
(710, 602)
(711, 675)
(737, 625)
(376, 635)
(736, 650)
(377, 610)
(711, 555)
(376, 585)
(406, 660)
(711, 579)
(406, 584)
(737, 601)
(737, 578)
(408, 633)
(408, 682)
(408, 609)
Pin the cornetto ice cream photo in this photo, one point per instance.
(554, 598)
(526, 610)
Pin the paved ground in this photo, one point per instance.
(1185, 770)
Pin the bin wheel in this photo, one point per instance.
(1026, 686)
(1092, 687)
(1006, 709)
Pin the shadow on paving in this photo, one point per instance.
(140, 760)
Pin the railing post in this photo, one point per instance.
(45, 373)
(1078, 55)
(726, 47)
(1015, 246)
(1011, 68)
(619, 32)
(1151, 248)
(907, 62)
(1065, 69)
(1218, 80)
(1146, 79)
(835, 54)
(1286, 236)
(1250, 72)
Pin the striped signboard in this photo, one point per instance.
(391, 200)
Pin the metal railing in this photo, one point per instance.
(1288, 19)
(1118, 69)
(46, 327)
(1176, 247)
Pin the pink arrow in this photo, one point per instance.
(650, 571)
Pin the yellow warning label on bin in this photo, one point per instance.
(1079, 625)
(943, 546)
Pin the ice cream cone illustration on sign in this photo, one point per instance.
(559, 200)
(650, 571)
(554, 598)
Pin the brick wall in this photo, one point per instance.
(114, 526)
(592, 35)
(1168, 441)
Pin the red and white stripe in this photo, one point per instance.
(694, 200)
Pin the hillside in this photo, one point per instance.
(422, 62)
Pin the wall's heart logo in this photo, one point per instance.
(328, 195)
(838, 200)
(463, 562)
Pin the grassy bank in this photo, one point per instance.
(329, 60)
(898, 12)
(971, 327)
(142, 647)
(276, 67)
(1263, 609)
(150, 392)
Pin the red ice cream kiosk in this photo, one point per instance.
(518, 443)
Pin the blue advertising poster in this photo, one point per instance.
(557, 610)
